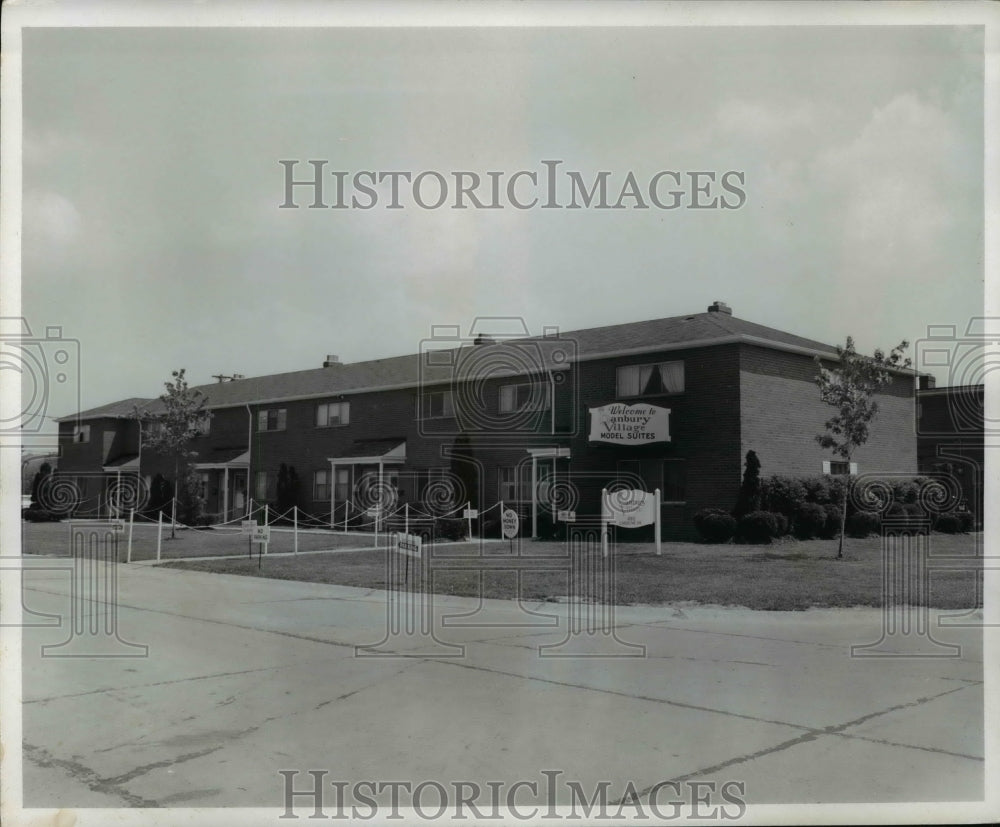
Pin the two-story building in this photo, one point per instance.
(540, 422)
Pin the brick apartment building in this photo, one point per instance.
(951, 437)
(546, 422)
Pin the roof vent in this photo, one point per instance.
(720, 307)
(331, 360)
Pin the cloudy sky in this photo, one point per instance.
(153, 234)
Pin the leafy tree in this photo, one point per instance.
(850, 389)
(171, 430)
(750, 491)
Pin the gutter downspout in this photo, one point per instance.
(249, 455)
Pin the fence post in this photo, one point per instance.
(159, 532)
(131, 519)
(266, 518)
(604, 523)
(295, 519)
(406, 518)
(468, 507)
(173, 514)
(347, 510)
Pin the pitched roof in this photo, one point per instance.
(122, 409)
(501, 358)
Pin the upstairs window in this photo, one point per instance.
(651, 380)
(271, 420)
(840, 468)
(438, 404)
(81, 433)
(203, 425)
(527, 396)
(333, 413)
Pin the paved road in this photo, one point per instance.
(246, 677)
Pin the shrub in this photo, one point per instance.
(863, 523)
(750, 489)
(34, 514)
(451, 528)
(784, 525)
(715, 525)
(818, 489)
(948, 524)
(758, 527)
(810, 521)
(967, 521)
(783, 494)
(905, 491)
(832, 527)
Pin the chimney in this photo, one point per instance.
(331, 360)
(720, 307)
(927, 382)
(483, 339)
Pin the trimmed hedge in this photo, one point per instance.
(863, 523)
(715, 525)
(810, 521)
(758, 527)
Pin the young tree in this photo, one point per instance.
(174, 427)
(850, 388)
(749, 498)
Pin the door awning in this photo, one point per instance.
(372, 452)
(126, 462)
(224, 458)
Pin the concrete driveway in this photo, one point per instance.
(245, 678)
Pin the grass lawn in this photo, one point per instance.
(790, 575)
(787, 575)
(53, 539)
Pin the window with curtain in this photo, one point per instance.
(651, 380)
(526, 396)
(271, 420)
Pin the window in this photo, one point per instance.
(333, 413)
(203, 425)
(674, 488)
(438, 404)
(203, 480)
(838, 468)
(321, 486)
(650, 380)
(272, 420)
(81, 433)
(508, 484)
(154, 427)
(266, 486)
(342, 489)
(528, 396)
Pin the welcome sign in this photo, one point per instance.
(629, 424)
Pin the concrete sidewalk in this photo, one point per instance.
(245, 677)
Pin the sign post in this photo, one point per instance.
(630, 509)
(470, 514)
(409, 545)
(260, 534)
(509, 525)
(247, 527)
